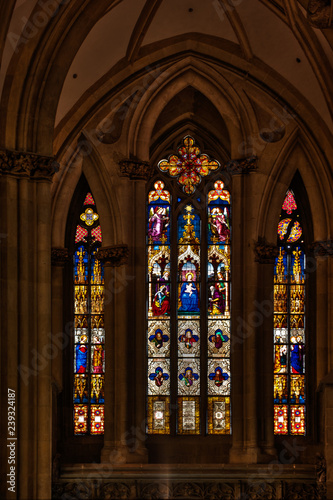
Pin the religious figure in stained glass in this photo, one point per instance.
(89, 324)
(219, 224)
(218, 376)
(189, 295)
(189, 338)
(289, 316)
(158, 222)
(218, 339)
(159, 376)
(158, 338)
(188, 377)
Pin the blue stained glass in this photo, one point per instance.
(188, 226)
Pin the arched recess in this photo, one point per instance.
(296, 154)
(202, 78)
(103, 188)
(73, 447)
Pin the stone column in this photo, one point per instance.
(26, 312)
(137, 172)
(116, 367)
(265, 257)
(244, 321)
(60, 258)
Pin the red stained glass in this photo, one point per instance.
(281, 419)
(97, 419)
(96, 233)
(289, 203)
(189, 166)
(297, 420)
(81, 234)
(80, 419)
(89, 200)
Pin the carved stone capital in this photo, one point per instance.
(60, 256)
(29, 165)
(242, 166)
(136, 169)
(322, 248)
(264, 253)
(319, 13)
(113, 256)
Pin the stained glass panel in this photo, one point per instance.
(188, 415)
(188, 376)
(158, 415)
(80, 419)
(281, 419)
(158, 338)
(289, 324)
(89, 338)
(189, 165)
(219, 415)
(97, 419)
(188, 338)
(158, 376)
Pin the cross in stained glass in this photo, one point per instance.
(89, 216)
(189, 165)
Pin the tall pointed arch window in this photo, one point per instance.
(89, 337)
(188, 298)
(289, 323)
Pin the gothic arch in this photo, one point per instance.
(103, 189)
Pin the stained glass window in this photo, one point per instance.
(188, 305)
(89, 337)
(289, 324)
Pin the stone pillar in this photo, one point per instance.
(244, 319)
(116, 366)
(137, 172)
(26, 312)
(265, 257)
(60, 258)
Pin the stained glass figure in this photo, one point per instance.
(189, 165)
(89, 352)
(159, 377)
(188, 376)
(176, 310)
(289, 323)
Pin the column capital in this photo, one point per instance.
(265, 253)
(31, 165)
(136, 169)
(242, 165)
(113, 256)
(322, 248)
(60, 256)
